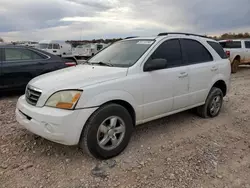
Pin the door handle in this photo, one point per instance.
(214, 68)
(54, 51)
(183, 74)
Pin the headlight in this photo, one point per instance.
(64, 99)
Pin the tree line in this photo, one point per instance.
(232, 36)
(221, 37)
(74, 43)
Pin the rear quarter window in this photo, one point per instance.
(37, 55)
(231, 44)
(218, 48)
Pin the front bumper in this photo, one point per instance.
(57, 125)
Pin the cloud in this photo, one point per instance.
(105, 4)
(75, 19)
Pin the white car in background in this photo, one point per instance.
(90, 49)
(30, 44)
(55, 47)
(79, 50)
(238, 51)
(133, 81)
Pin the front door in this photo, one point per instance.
(165, 90)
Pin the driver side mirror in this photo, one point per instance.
(155, 64)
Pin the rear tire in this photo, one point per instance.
(102, 141)
(213, 104)
(235, 65)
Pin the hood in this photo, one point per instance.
(77, 77)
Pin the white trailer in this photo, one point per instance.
(89, 50)
(65, 50)
(31, 44)
(28, 43)
(60, 48)
(56, 47)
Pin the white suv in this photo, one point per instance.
(133, 81)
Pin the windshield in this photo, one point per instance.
(43, 46)
(123, 53)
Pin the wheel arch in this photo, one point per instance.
(221, 84)
(237, 57)
(126, 105)
(119, 97)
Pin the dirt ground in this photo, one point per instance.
(182, 150)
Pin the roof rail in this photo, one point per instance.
(130, 37)
(178, 33)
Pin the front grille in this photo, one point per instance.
(32, 95)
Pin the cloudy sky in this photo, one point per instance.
(88, 19)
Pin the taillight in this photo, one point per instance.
(228, 53)
(70, 64)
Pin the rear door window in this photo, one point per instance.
(56, 46)
(19, 54)
(43, 46)
(194, 52)
(13, 54)
(50, 46)
(247, 44)
(231, 44)
(99, 47)
(218, 48)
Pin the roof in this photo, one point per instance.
(142, 38)
(169, 35)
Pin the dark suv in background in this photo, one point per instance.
(19, 64)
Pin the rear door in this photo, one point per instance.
(201, 67)
(247, 51)
(19, 66)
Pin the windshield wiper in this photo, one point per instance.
(102, 63)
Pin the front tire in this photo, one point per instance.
(107, 132)
(213, 104)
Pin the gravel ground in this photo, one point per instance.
(182, 150)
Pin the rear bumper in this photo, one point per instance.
(57, 125)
